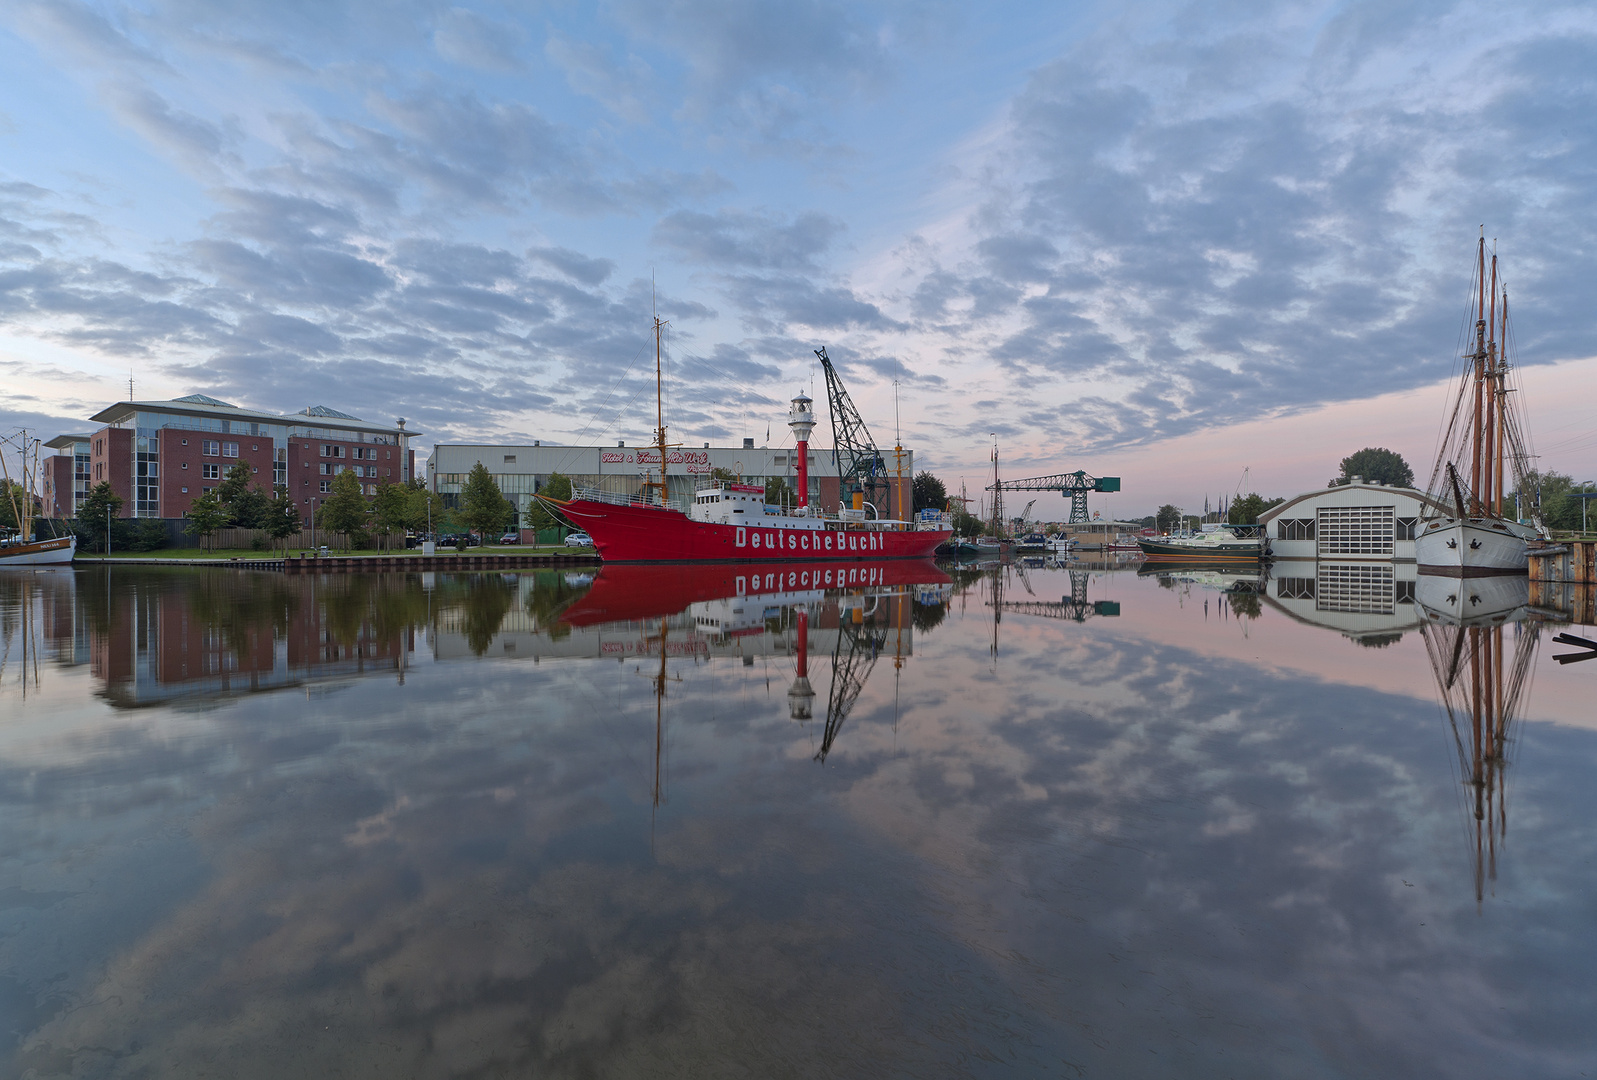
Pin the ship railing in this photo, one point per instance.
(617, 498)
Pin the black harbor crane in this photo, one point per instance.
(860, 468)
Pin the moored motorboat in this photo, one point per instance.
(1224, 543)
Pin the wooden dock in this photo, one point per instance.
(1563, 578)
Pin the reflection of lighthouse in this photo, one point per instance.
(801, 418)
(800, 696)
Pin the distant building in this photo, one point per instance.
(160, 456)
(66, 476)
(522, 470)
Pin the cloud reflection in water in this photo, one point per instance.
(1103, 853)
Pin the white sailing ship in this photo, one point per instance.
(19, 549)
(1482, 461)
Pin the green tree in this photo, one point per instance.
(558, 486)
(1552, 489)
(345, 510)
(207, 514)
(424, 510)
(927, 493)
(483, 507)
(1167, 518)
(726, 476)
(778, 493)
(100, 503)
(1374, 463)
(1246, 510)
(966, 523)
(14, 499)
(282, 518)
(390, 511)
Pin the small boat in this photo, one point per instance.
(1485, 440)
(1224, 543)
(17, 550)
(1032, 542)
(56, 551)
(957, 549)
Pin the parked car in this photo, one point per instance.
(579, 539)
(510, 538)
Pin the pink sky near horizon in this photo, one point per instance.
(1288, 455)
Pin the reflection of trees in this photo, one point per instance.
(551, 595)
(1378, 641)
(1244, 602)
(926, 616)
(242, 606)
(487, 599)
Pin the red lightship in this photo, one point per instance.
(729, 521)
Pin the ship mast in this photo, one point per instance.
(1480, 378)
(659, 411)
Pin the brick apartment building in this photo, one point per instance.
(160, 456)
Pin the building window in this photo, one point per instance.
(1294, 529)
(327, 485)
(185, 491)
(1356, 530)
(230, 449)
(1406, 527)
(210, 472)
(185, 442)
(510, 459)
(211, 448)
(206, 490)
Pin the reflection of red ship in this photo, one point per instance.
(623, 593)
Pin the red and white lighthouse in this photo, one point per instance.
(801, 418)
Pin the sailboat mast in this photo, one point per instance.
(1502, 398)
(1489, 449)
(1480, 375)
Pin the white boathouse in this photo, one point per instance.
(1351, 522)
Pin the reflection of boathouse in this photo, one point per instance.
(1345, 558)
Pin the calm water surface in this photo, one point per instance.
(1021, 822)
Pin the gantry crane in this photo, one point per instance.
(860, 468)
(1076, 485)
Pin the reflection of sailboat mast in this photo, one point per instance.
(1490, 700)
(659, 713)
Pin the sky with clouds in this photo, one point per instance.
(1165, 241)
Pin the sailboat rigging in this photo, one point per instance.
(1483, 448)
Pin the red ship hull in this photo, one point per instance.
(650, 534)
(625, 593)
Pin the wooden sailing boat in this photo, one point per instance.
(1482, 451)
(21, 549)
